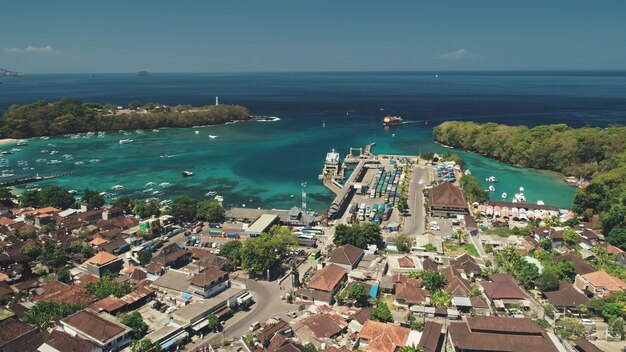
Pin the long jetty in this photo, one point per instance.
(28, 178)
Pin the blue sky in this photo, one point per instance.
(231, 35)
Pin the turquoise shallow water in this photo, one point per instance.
(259, 164)
(263, 164)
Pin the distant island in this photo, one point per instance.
(143, 73)
(74, 116)
(6, 73)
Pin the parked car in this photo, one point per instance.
(255, 326)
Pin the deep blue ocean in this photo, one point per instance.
(264, 164)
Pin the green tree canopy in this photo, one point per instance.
(144, 257)
(107, 285)
(147, 209)
(93, 198)
(261, 253)
(232, 251)
(359, 236)
(210, 210)
(474, 191)
(548, 281)
(381, 313)
(433, 280)
(183, 208)
(404, 243)
(145, 345)
(134, 320)
(569, 328)
(43, 314)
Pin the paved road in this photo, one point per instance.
(414, 220)
(267, 305)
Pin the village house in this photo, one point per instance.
(599, 284)
(447, 200)
(347, 256)
(502, 290)
(102, 263)
(490, 334)
(172, 256)
(106, 333)
(384, 337)
(566, 298)
(323, 285)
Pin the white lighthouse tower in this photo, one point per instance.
(217, 100)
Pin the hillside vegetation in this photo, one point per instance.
(74, 116)
(593, 153)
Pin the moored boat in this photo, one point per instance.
(392, 120)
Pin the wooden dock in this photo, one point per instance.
(28, 178)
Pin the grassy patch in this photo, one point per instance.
(499, 231)
(456, 249)
(5, 313)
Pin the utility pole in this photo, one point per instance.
(303, 196)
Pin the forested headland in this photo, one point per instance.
(596, 154)
(74, 116)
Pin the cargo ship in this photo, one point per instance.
(392, 120)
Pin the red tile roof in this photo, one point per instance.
(383, 337)
(327, 278)
(446, 195)
(207, 276)
(102, 258)
(603, 279)
(92, 325)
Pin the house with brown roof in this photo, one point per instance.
(324, 284)
(210, 282)
(446, 200)
(409, 295)
(267, 332)
(460, 289)
(467, 264)
(172, 256)
(321, 326)
(502, 289)
(14, 332)
(491, 334)
(346, 256)
(566, 298)
(104, 331)
(58, 341)
(599, 284)
(403, 264)
(102, 263)
(431, 340)
(582, 345)
(384, 337)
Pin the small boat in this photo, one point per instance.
(93, 161)
(324, 124)
(491, 179)
(492, 188)
(212, 136)
(521, 189)
(157, 193)
(6, 152)
(150, 184)
(186, 173)
(44, 137)
(41, 160)
(75, 136)
(165, 184)
(127, 133)
(197, 132)
(165, 202)
(79, 163)
(72, 191)
(117, 187)
(515, 200)
(468, 172)
(540, 202)
(148, 190)
(155, 130)
(54, 162)
(125, 141)
(392, 120)
(101, 134)
(139, 131)
(54, 152)
(504, 196)
(45, 151)
(210, 194)
(21, 142)
(68, 156)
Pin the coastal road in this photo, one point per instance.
(414, 220)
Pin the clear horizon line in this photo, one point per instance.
(331, 71)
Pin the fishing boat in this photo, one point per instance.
(492, 188)
(197, 132)
(54, 162)
(125, 141)
(210, 194)
(21, 142)
(101, 134)
(540, 202)
(491, 179)
(93, 161)
(521, 189)
(157, 193)
(186, 173)
(117, 187)
(54, 152)
(41, 160)
(392, 120)
(212, 136)
(150, 184)
(44, 137)
(155, 130)
(148, 190)
(79, 163)
(504, 195)
(165, 184)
